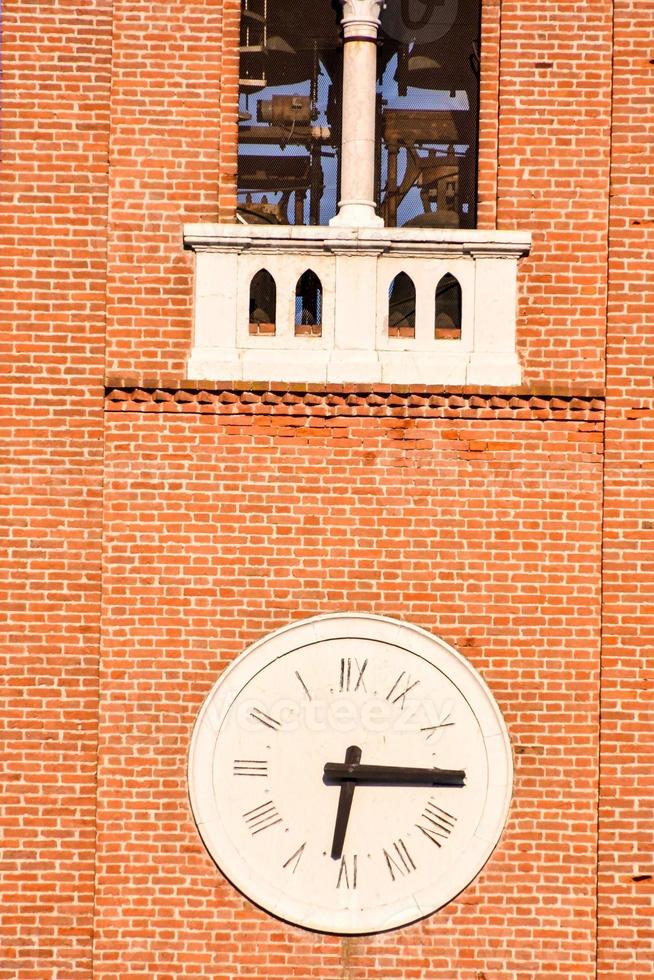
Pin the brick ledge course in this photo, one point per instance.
(541, 401)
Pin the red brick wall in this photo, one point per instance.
(626, 931)
(165, 140)
(474, 516)
(489, 117)
(55, 128)
(554, 124)
(226, 518)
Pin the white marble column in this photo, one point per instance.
(360, 27)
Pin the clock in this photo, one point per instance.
(350, 773)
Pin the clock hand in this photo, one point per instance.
(353, 772)
(352, 756)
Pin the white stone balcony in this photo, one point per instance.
(350, 335)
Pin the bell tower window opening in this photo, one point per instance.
(402, 307)
(308, 305)
(263, 304)
(427, 109)
(447, 324)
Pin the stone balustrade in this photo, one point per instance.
(450, 317)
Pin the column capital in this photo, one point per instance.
(361, 18)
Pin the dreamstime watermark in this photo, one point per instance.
(421, 21)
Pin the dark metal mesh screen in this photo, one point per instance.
(290, 94)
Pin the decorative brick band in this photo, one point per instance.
(339, 400)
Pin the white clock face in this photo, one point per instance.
(417, 788)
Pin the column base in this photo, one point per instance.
(356, 214)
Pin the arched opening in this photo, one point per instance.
(263, 303)
(402, 307)
(447, 323)
(290, 89)
(308, 305)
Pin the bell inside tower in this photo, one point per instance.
(426, 112)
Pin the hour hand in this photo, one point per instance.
(352, 773)
(352, 756)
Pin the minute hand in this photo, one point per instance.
(339, 772)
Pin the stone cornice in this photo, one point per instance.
(405, 241)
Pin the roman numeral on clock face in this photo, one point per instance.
(347, 872)
(437, 824)
(294, 859)
(265, 719)
(262, 817)
(430, 729)
(351, 675)
(251, 767)
(302, 684)
(398, 861)
(400, 689)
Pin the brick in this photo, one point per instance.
(150, 542)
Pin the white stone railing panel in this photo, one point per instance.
(355, 267)
(425, 275)
(285, 269)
